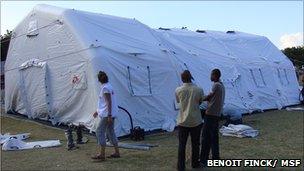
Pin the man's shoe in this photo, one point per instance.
(203, 165)
(114, 156)
(98, 158)
(196, 166)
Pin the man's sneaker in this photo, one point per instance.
(203, 165)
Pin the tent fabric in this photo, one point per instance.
(143, 65)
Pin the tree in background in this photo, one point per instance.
(296, 55)
(5, 40)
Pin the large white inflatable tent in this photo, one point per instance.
(55, 55)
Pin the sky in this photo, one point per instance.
(280, 21)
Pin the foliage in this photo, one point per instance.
(5, 40)
(295, 54)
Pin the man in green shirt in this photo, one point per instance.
(189, 120)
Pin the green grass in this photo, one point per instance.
(281, 137)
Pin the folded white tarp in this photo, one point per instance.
(7, 136)
(238, 131)
(17, 144)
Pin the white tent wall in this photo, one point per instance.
(140, 72)
(151, 105)
(143, 65)
(81, 44)
(249, 64)
(263, 63)
(189, 51)
(59, 47)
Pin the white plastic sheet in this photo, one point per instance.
(7, 136)
(239, 131)
(16, 144)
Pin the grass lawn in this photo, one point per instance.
(281, 137)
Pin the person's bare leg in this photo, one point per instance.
(102, 152)
(112, 136)
(116, 150)
(101, 156)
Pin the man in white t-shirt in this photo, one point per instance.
(107, 111)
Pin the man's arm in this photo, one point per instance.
(108, 102)
(207, 98)
(95, 114)
(210, 95)
(201, 97)
(177, 99)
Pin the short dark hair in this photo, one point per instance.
(217, 72)
(186, 76)
(102, 77)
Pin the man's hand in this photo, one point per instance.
(110, 120)
(207, 98)
(95, 114)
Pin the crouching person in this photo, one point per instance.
(107, 111)
(189, 120)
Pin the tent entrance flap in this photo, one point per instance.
(34, 91)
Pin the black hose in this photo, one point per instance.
(131, 120)
(301, 94)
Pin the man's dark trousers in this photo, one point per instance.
(210, 139)
(183, 133)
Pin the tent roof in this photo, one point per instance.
(236, 46)
(131, 36)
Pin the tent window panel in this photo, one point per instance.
(258, 78)
(282, 74)
(139, 81)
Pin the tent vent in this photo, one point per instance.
(32, 29)
(184, 28)
(201, 31)
(59, 22)
(230, 32)
(164, 28)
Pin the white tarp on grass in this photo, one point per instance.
(16, 144)
(240, 131)
(7, 136)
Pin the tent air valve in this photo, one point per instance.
(59, 22)
(250, 94)
(80, 139)
(279, 92)
(69, 136)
